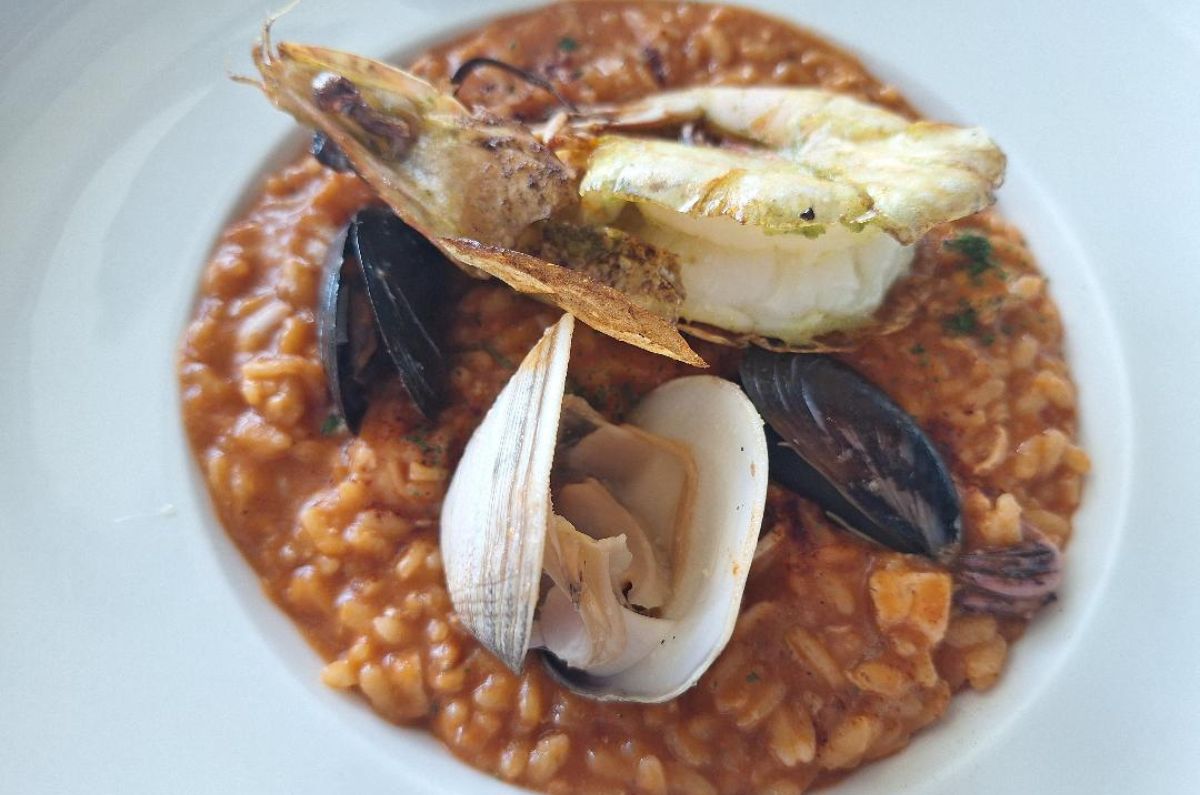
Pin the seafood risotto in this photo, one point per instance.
(548, 536)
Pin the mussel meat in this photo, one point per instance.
(382, 281)
(621, 551)
(838, 439)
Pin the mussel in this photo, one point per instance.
(328, 154)
(620, 551)
(837, 439)
(382, 280)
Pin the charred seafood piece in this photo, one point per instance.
(793, 229)
(1014, 581)
(839, 440)
(382, 281)
(797, 225)
(620, 551)
(471, 183)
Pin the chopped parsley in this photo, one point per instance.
(422, 441)
(568, 44)
(753, 677)
(976, 251)
(963, 322)
(333, 424)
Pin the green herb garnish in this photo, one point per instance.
(977, 254)
(422, 441)
(753, 677)
(568, 44)
(962, 322)
(332, 424)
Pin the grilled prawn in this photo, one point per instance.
(797, 224)
(470, 182)
(803, 219)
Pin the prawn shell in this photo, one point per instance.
(604, 308)
(846, 161)
(419, 147)
(514, 180)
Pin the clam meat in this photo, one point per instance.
(619, 551)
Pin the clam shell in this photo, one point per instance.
(497, 507)
(498, 511)
(718, 422)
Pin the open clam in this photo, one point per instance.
(620, 551)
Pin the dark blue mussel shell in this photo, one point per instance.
(328, 153)
(837, 439)
(382, 284)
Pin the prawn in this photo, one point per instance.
(801, 221)
(796, 226)
(817, 158)
(471, 183)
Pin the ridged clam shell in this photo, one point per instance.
(498, 509)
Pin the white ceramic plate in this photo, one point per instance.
(136, 652)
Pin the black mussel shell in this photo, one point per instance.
(382, 282)
(836, 438)
(328, 153)
(346, 347)
(405, 276)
